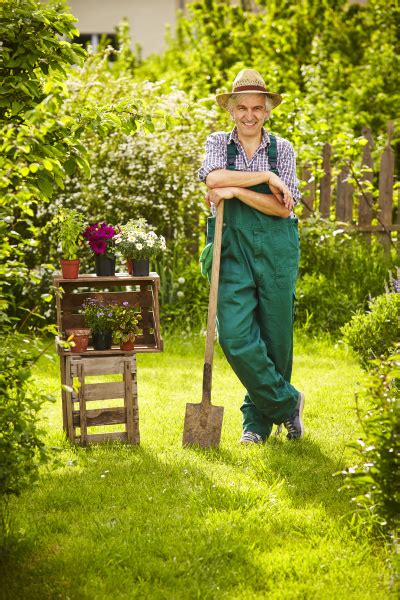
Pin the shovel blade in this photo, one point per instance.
(202, 428)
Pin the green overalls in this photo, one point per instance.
(259, 265)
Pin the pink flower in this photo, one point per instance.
(98, 246)
(108, 232)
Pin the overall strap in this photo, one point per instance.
(273, 153)
(232, 154)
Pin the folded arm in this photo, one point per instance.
(222, 178)
(225, 178)
(265, 203)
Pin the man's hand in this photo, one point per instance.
(217, 194)
(280, 190)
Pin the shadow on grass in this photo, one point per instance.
(122, 516)
(310, 476)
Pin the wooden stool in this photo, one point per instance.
(77, 413)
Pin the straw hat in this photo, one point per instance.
(249, 81)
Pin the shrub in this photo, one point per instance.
(339, 271)
(22, 449)
(376, 476)
(374, 333)
(183, 292)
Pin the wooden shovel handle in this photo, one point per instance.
(212, 306)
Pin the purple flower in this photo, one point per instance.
(98, 246)
(108, 232)
(125, 303)
(100, 314)
(396, 285)
(110, 314)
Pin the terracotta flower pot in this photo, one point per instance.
(127, 346)
(80, 339)
(129, 265)
(70, 268)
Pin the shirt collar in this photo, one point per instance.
(233, 136)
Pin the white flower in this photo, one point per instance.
(139, 246)
(150, 243)
(180, 294)
(181, 280)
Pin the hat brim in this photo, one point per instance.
(222, 99)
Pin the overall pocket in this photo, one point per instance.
(287, 255)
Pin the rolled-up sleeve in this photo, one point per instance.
(215, 156)
(287, 169)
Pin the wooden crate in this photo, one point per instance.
(141, 292)
(76, 404)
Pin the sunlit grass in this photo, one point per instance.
(160, 521)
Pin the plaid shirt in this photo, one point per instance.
(217, 155)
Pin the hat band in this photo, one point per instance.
(246, 88)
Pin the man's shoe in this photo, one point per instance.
(248, 437)
(294, 424)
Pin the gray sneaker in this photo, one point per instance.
(294, 424)
(248, 437)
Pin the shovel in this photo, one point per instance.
(203, 422)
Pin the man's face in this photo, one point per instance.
(249, 114)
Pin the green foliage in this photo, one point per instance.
(374, 334)
(339, 271)
(40, 140)
(303, 48)
(151, 174)
(70, 224)
(126, 319)
(183, 292)
(376, 476)
(31, 49)
(22, 450)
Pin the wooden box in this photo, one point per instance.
(77, 411)
(138, 291)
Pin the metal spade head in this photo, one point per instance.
(203, 425)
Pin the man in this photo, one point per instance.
(255, 173)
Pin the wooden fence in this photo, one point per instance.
(355, 205)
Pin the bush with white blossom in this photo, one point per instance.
(137, 240)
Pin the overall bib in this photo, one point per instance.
(259, 266)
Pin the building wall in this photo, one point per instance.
(147, 19)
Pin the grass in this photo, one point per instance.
(162, 522)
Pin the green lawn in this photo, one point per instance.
(162, 522)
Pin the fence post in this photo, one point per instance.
(344, 196)
(325, 185)
(386, 180)
(366, 200)
(309, 191)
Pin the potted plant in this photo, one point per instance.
(137, 242)
(99, 317)
(70, 224)
(78, 339)
(125, 326)
(100, 237)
